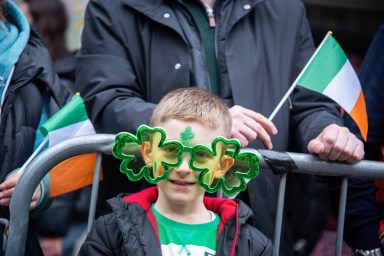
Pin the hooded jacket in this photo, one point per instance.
(33, 85)
(132, 230)
(134, 52)
(364, 214)
(33, 77)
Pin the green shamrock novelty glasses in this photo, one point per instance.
(168, 154)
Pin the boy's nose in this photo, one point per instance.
(184, 166)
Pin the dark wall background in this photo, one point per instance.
(353, 23)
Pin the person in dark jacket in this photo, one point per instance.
(64, 222)
(364, 221)
(247, 52)
(185, 154)
(30, 92)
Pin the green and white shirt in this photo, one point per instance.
(179, 239)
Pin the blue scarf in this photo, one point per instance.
(13, 38)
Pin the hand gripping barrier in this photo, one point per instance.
(278, 162)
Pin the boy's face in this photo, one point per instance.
(181, 186)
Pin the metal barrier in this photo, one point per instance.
(103, 143)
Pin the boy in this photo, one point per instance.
(175, 218)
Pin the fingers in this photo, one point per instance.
(259, 118)
(235, 133)
(248, 125)
(11, 180)
(37, 193)
(5, 196)
(358, 154)
(337, 143)
(315, 147)
(35, 198)
(7, 188)
(243, 131)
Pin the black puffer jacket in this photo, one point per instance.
(131, 229)
(33, 77)
(20, 116)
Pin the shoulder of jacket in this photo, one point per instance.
(254, 236)
(109, 220)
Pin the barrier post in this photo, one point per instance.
(341, 217)
(279, 213)
(95, 190)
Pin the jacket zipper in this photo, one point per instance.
(211, 15)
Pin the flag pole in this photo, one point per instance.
(38, 149)
(293, 87)
(298, 78)
(283, 177)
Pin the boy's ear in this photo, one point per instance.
(226, 162)
(146, 152)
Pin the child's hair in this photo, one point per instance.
(193, 104)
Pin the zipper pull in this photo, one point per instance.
(211, 16)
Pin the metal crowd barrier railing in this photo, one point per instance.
(279, 162)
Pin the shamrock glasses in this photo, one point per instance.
(203, 159)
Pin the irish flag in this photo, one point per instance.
(329, 72)
(70, 121)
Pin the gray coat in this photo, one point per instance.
(134, 52)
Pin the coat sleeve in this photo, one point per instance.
(107, 71)
(103, 239)
(311, 111)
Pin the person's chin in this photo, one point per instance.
(181, 200)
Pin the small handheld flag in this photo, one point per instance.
(70, 121)
(329, 72)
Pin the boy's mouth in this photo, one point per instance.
(182, 182)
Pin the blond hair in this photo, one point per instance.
(193, 104)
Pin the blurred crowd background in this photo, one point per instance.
(353, 22)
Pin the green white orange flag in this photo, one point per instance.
(76, 172)
(329, 72)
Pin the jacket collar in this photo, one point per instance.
(161, 11)
(156, 8)
(225, 207)
(145, 6)
(235, 211)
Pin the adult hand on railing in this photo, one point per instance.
(8, 186)
(247, 125)
(337, 143)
